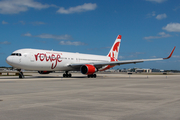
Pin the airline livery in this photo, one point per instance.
(46, 61)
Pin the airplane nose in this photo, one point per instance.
(9, 60)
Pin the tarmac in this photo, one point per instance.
(107, 97)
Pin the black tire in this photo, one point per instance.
(21, 75)
(69, 75)
(94, 75)
(64, 75)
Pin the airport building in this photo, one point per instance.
(141, 70)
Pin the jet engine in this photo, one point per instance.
(44, 72)
(88, 69)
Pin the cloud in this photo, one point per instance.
(154, 56)
(131, 55)
(5, 43)
(32, 23)
(27, 34)
(71, 43)
(151, 14)
(81, 8)
(97, 49)
(22, 22)
(4, 22)
(172, 27)
(158, 17)
(176, 8)
(121, 57)
(160, 35)
(157, 1)
(176, 56)
(161, 16)
(57, 37)
(49, 36)
(37, 23)
(17, 6)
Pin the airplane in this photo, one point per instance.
(46, 61)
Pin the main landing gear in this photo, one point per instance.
(92, 76)
(21, 75)
(69, 75)
(66, 74)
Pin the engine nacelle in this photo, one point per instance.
(44, 72)
(88, 69)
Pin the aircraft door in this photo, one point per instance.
(77, 60)
(19, 60)
(32, 57)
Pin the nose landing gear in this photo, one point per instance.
(21, 75)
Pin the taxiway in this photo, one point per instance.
(107, 97)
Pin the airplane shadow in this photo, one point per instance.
(57, 77)
(31, 77)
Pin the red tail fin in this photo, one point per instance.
(113, 53)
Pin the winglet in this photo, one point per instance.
(171, 53)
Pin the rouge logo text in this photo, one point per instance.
(51, 58)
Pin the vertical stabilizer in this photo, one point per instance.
(113, 53)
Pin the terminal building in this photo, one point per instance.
(141, 70)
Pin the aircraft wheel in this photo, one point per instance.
(21, 75)
(94, 75)
(69, 75)
(64, 75)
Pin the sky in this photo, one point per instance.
(149, 28)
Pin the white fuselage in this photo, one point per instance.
(34, 59)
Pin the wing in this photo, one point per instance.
(101, 64)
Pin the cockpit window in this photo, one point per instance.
(16, 54)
